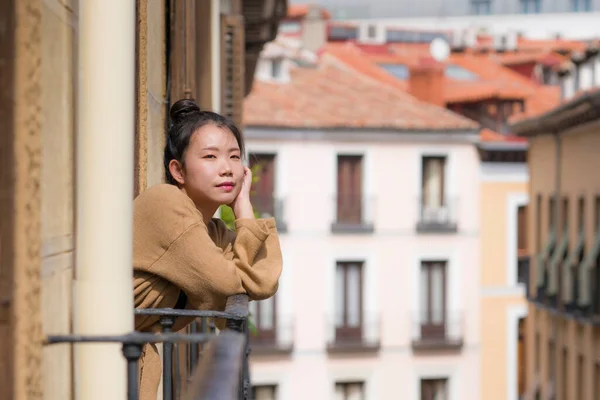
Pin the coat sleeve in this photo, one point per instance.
(208, 274)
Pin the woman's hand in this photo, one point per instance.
(241, 206)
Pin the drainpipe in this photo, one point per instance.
(103, 298)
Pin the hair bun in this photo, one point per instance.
(182, 109)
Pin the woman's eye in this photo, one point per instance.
(236, 157)
(209, 156)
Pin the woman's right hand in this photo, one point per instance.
(241, 206)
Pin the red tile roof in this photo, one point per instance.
(488, 136)
(495, 81)
(332, 97)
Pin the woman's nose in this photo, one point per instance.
(226, 169)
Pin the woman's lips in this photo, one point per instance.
(226, 186)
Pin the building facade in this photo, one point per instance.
(353, 9)
(83, 112)
(562, 334)
(380, 289)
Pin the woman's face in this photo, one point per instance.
(213, 172)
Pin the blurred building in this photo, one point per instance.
(564, 240)
(85, 88)
(573, 19)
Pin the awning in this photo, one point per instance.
(559, 255)
(572, 261)
(588, 263)
(542, 258)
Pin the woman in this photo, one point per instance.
(184, 258)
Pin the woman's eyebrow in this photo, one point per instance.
(212, 148)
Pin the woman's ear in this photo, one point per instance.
(176, 170)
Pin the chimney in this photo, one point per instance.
(314, 29)
(427, 81)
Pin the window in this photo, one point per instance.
(538, 223)
(261, 196)
(349, 190)
(565, 374)
(433, 299)
(459, 73)
(521, 358)
(264, 317)
(581, 5)
(433, 171)
(522, 229)
(348, 301)
(481, 7)
(581, 215)
(372, 31)
(349, 391)
(264, 392)
(434, 389)
(551, 213)
(530, 6)
(597, 215)
(565, 216)
(400, 71)
(276, 64)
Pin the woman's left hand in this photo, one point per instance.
(241, 206)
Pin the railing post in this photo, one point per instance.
(132, 352)
(167, 325)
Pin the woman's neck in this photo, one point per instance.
(206, 210)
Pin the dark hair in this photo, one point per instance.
(186, 118)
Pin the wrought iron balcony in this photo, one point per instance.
(442, 330)
(271, 340)
(353, 334)
(219, 362)
(271, 206)
(437, 218)
(353, 213)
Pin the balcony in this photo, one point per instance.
(353, 335)
(440, 218)
(279, 340)
(206, 366)
(267, 207)
(353, 214)
(437, 331)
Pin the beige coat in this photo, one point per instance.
(174, 251)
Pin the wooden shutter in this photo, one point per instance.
(232, 67)
(182, 56)
(349, 194)
(522, 229)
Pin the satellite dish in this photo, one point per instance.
(439, 49)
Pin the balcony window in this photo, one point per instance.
(434, 389)
(435, 215)
(590, 269)
(572, 265)
(530, 6)
(581, 5)
(348, 301)
(349, 391)
(350, 207)
(522, 230)
(436, 326)
(264, 392)
(559, 255)
(481, 7)
(262, 194)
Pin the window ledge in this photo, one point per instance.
(436, 227)
(352, 347)
(437, 344)
(343, 227)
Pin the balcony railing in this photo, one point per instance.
(353, 213)
(361, 336)
(437, 330)
(222, 360)
(271, 206)
(440, 218)
(277, 340)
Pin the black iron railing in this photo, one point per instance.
(437, 217)
(227, 352)
(432, 329)
(523, 273)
